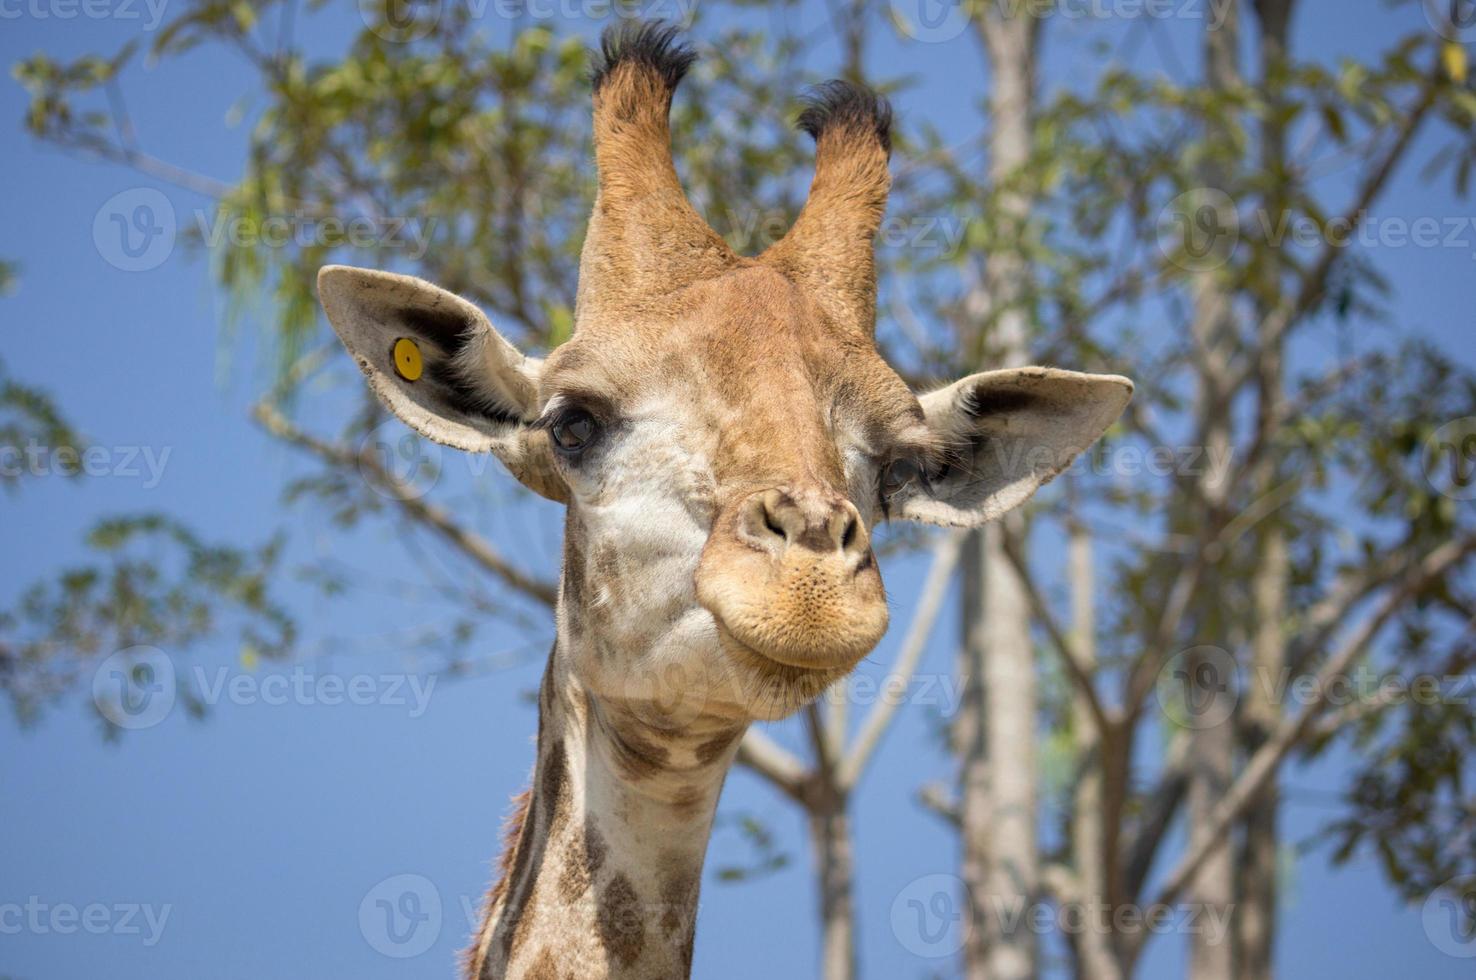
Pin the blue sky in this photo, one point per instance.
(264, 828)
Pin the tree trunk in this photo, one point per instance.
(968, 744)
(1212, 738)
(999, 824)
(1012, 880)
(830, 836)
(1255, 919)
(1096, 958)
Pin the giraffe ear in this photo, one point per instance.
(1010, 432)
(436, 362)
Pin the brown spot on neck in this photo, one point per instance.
(582, 861)
(544, 967)
(622, 930)
(679, 904)
(633, 753)
(536, 812)
(712, 749)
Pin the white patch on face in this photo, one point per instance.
(859, 458)
(861, 482)
(644, 501)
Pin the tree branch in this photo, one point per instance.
(773, 762)
(1285, 315)
(945, 559)
(470, 544)
(935, 800)
(1081, 677)
(1264, 764)
(1158, 814)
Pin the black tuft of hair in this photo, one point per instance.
(1005, 401)
(652, 43)
(841, 103)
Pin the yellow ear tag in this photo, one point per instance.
(407, 359)
(1456, 63)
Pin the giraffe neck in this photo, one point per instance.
(601, 874)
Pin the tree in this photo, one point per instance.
(1249, 580)
(1173, 227)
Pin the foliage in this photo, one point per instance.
(29, 421)
(480, 145)
(155, 584)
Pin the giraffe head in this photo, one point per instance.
(722, 430)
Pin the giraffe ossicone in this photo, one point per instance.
(725, 436)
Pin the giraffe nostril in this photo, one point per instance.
(778, 520)
(848, 536)
(770, 526)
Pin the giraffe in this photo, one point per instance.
(724, 437)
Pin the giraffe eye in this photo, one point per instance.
(574, 430)
(899, 474)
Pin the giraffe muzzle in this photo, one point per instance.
(789, 574)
